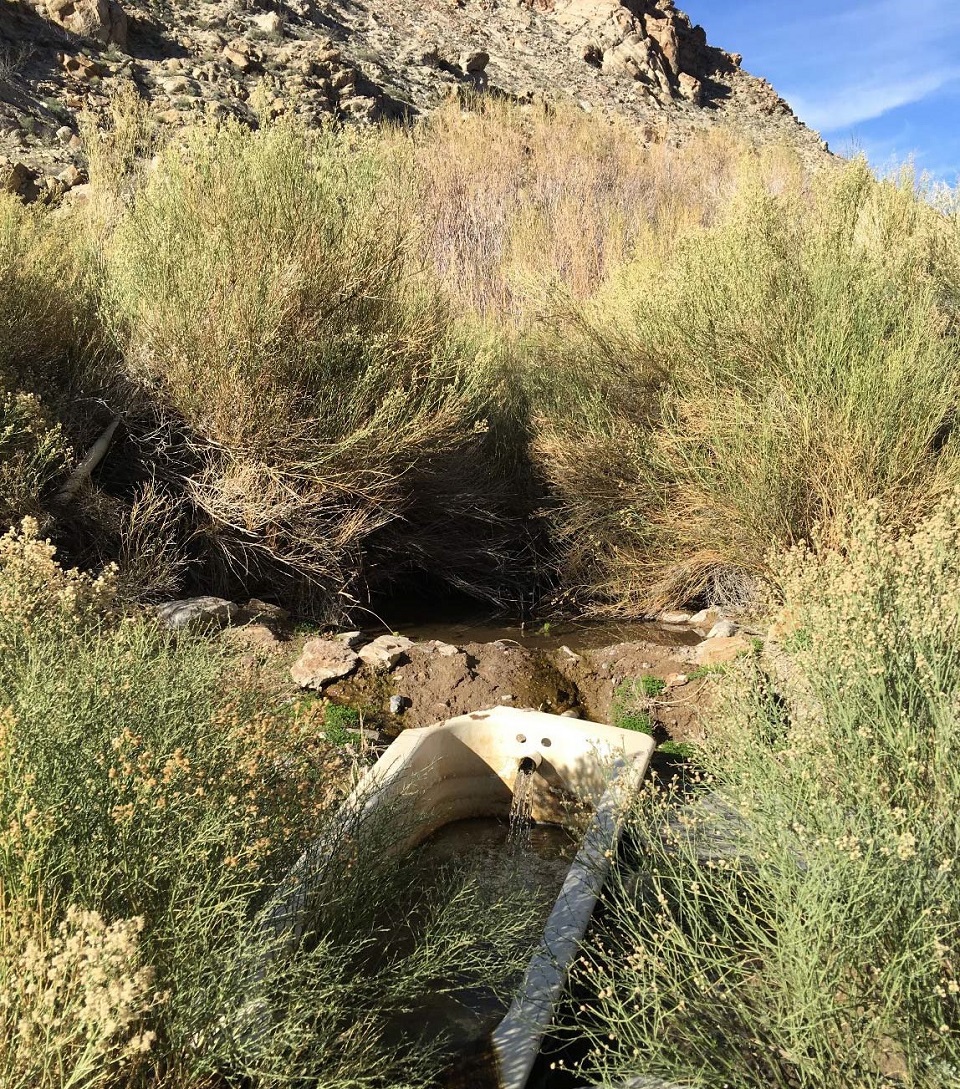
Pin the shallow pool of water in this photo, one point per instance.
(480, 849)
(577, 635)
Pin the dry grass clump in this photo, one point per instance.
(794, 921)
(48, 332)
(327, 415)
(47, 323)
(795, 357)
(517, 202)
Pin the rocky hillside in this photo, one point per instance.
(357, 61)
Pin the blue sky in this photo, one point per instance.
(880, 76)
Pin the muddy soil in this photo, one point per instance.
(438, 680)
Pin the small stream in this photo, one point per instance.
(578, 635)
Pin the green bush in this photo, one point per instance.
(150, 802)
(795, 922)
(632, 703)
(335, 419)
(757, 377)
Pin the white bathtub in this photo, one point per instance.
(466, 767)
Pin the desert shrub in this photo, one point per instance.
(73, 999)
(795, 357)
(151, 798)
(48, 318)
(33, 453)
(795, 921)
(47, 330)
(331, 417)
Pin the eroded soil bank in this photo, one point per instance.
(651, 675)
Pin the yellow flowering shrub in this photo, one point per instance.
(33, 452)
(793, 918)
(35, 588)
(74, 1003)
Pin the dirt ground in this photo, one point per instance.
(438, 681)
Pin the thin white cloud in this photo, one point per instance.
(841, 106)
(840, 64)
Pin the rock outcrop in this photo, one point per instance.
(103, 20)
(642, 59)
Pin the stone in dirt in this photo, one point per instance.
(262, 612)
(445, 650)
(705, 618)
(270, 22)
(18, 178)
(101, 19)
(385, 652)
(351, 639)
(723, 629)
(321, 662)
(721, 650)
(197, 613)
(675, 618)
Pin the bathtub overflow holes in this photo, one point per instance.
(522, 739)
(545, 742)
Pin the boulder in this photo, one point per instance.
(82, 66)
(664, 33)
(262, 612)
(350, 639)
(723, 629)
(385, 652)
(71, 176)
(321, 662)
(690, 88)
(104, 20)
(721, 650)
(706, 618)
(675, 617)
(197, 613)
(269, 22)
(19, 179)
(239, 60)
(436, 646)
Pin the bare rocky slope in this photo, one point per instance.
(358, 60)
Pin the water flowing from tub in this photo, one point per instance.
(521, 809)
